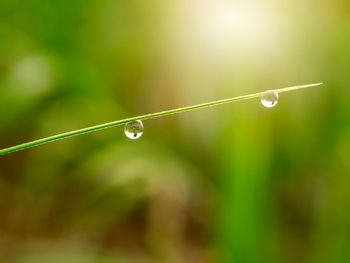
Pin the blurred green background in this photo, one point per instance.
(233, 183)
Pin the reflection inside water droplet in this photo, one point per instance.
(269, 100)
(133, 130)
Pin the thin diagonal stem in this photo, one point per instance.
(145, 117)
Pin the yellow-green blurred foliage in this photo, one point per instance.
(234, 183)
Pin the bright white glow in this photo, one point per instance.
(223, 23)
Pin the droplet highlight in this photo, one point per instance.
(269, 100)
(133, 130)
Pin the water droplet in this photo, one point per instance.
(133, 130)
(269, 100)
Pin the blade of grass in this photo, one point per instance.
(145, 117)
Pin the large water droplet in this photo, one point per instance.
(133, 130)
(269, 100)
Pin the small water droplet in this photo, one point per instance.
(269, 100)
(133, 130)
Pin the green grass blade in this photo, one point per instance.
(145, 117)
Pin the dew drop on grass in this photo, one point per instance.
(133, 130)
(269, 100)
